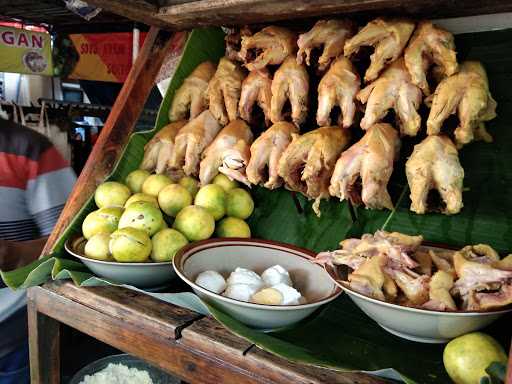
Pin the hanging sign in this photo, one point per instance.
(23, 51)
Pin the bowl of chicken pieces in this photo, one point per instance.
(420, 292)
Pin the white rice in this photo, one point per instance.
(118, 374)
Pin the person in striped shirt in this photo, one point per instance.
(35, 182)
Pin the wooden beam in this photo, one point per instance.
(118, 127)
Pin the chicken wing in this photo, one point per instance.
(228, 152)
(224, 91)
(331, 34)
(266, 152)
(190, 142)
(467, 94)
(338, 87)
(256, 88)
(393, 90)
(308, 162)
(434, 164)
(271, 45)
(388, 36)
(159, 150)
(191, 99)
(370, 160)
(430, 45)
(291, 82)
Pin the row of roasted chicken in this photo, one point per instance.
(318, 163)
(397, 78)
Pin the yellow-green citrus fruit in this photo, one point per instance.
(135, 179)
(225, 182)
(130, 245)
(154, 184)
(104, 220)
(195, 222)
(97, 247)
(166, 243)
(142, 215)
(111, 194)
(191, 184)
(213, 198)
(239, 203)
(232, 227)
(141, 197)
(466, 357)
(173, 199)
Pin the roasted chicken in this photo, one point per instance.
(190, 142)
(191, 99)
(430, 45)
(224, 91)
(329, 34)
(434, 164)
(338, 87)
(291, 82)
(467, 94)
(308, 162)
(388, 36)
(256, 89)
(228, 153)
(266, 152)
(392, 90)
(363, 171)
(271, 45)
(159, 150)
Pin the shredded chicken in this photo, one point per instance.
(256, 89)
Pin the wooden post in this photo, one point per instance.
(118, 127)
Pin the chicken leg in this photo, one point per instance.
(256, 88)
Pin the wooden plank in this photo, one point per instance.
(44, 344)
(116, 132)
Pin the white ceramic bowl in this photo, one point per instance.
(421, 325)
(141, 275)
(224, 255)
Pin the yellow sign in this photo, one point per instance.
(23, 51)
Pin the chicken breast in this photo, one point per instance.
(434, 164)
(228, 153)
(440, 298)
(190, 142)
(430, 45)
(191, 99)
(327, 34)
(370, 160)
(291, 82)
(224, 91)
(388, 36)
(271, 45)
(467, 94)
(266, 151)
(256, 89)
(338, 87)
(393, 90)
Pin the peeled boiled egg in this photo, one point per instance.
(245, 276)
(276, 275)
(268, 296)
(290, 295)
(242, 292)
(212, 281)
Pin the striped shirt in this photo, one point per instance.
(35, 182)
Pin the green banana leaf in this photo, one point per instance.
(341, 336)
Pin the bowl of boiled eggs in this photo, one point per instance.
(264, 284)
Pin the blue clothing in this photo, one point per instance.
(14, 367)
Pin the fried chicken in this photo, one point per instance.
(392, 90)
(467, 94)
(338, 87)
(191, 99)
(256, 88)
(370, 160)
(190, 142)
(228, 153)
(224, 91)
(266, 152)
(159, 150)
(430, 45)
(434, 164)
(329, 34)
(388, 36)
(291, 82)
(271, 45)
(308, 162)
